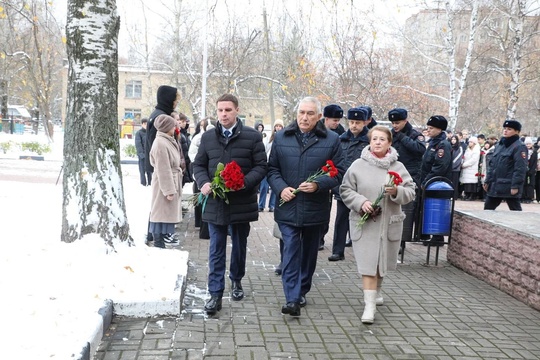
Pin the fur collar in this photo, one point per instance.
(383, 163)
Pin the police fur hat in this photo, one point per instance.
(358, 113)
(164, 123)
(512, 124)
(397, 114)
(369, 111)
(438, 121)
(333, 111)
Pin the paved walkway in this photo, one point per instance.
(430, 312)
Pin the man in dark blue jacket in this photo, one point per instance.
(507, 169)
(299, 151)
(353, 141)
(229, 141)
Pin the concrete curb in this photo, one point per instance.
(171, 305)
(94, 339)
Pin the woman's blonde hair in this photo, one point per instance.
(381, 128)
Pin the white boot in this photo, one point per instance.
(368, 317)
(379, 300)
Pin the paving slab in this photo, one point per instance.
(430, 312)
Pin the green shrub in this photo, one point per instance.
(6, 146)
(130, 150)
(36, 147)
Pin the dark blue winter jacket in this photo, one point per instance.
(290, 164)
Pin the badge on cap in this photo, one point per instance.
(440, 153)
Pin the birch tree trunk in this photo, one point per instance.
(515, 23)
(93, 191)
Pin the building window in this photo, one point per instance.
(133, 114)
(134, 89)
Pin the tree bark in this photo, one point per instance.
(93, 190)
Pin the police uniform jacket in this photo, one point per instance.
(507, 168)
(410, 146)
(291, 163)
(437, 160)
(352, 149)
(244, 146)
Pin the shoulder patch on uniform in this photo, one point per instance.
(440, 153)
(523, 155)
(421, 138)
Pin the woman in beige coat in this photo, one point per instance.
(376, 243)
(166, 181)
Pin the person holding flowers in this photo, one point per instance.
(306, 161)
(374, 188)
(226, 203)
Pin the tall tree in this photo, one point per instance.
(34, 48)
(93, 191)
(515, 35)
(439, 48)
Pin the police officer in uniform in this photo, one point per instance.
(507, 169)
(353, 141)
(332, 115)
(437, 160)
(410, 146)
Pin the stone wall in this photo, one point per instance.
(492, 247)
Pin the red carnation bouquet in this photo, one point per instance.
(328, 169)
(394, 180)
(227, 178)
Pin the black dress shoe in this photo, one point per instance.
(278, 270)
(321, 246)
(213, 305)
(291, 308)
(237, 291)
(303, 301)
(348, 244)
(336, 257)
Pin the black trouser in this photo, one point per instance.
(341, 228)
(145, 176)
(537, 185)
(492, 202)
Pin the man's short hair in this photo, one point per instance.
(144, 120)
(313, 100)
(228, 97)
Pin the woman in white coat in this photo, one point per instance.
(469, 169)
(376, 243)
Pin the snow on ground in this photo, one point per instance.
(51, 291)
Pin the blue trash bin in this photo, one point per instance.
(437, 215)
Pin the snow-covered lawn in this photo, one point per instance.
(51, 290)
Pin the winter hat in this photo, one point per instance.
(474, 139)
(358, 113)
(279, 122)
(368, 110)
(528, 140)
(333, 111)
(164, 123)
(397, 114)
(512, 124)
(438, 121)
